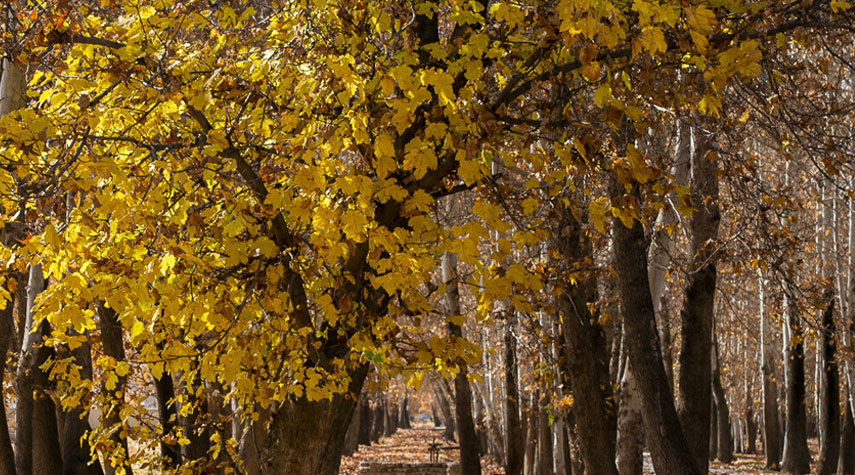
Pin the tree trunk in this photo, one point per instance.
(750, 423)
(544, 443)
(76, 455)
(662, 247)
(445, 408)
(514, 433)
(307, 437)
(531, 437)
(111, 340)
(13, 88)
(587, 354)
(566, 453)
(470, 459)
(378, 428)
(846, 458)
(771, 427)
(7, 455)
(13, 85)
(250, 441)
(389, 427)
(630, 426)
(667, 343)
(168, 415)
(572, 442)
(724, 451)
(713, 429)
(47, 452)
(24, 379)
(796, 455)
(830, 398)
(365, 420)
(668, 447)
(351, 438)
(404, 414)
(696, 317)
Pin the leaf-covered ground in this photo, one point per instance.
(411, 445)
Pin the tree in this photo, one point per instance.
(830, 398)
(697, 317)
(235, 206)
(796, 455)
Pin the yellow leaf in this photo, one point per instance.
(354, 225)
(166, 264)
(838, 5)
(653, 40)
(603, 94)
(456, 320)
(597, 214)
(384, 152)
(122, 368)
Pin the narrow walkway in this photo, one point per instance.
(409, 445)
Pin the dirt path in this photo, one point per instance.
(408, 445)
(411, 445)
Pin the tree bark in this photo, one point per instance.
(7, 325)
(76, 457)
(470, 459)
(544, 443)
(588, 357)
(307, 437)
(696, 317)
(713, 429)
(796, 455)
(404, 414)
(389, 427)
(846, 458)
(662, 246)
(630, 426)
(445, 408)
(351, 438)
(531, 436)
(47, 452)
(667, 344)
(191, 423)
(514, 433)
(111, 340)
(750, 423)
(566, 453)
(378, 428)
(24, 379)
(13, 86)
(668, 447)
(168, 415)
(830, 397)
(771, 427)
(724, 452)
(365, 420)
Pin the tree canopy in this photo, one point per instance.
(254, 190)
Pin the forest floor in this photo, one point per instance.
(411, 445)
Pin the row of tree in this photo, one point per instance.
(601, 225)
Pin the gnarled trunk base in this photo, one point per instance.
(307, 437)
